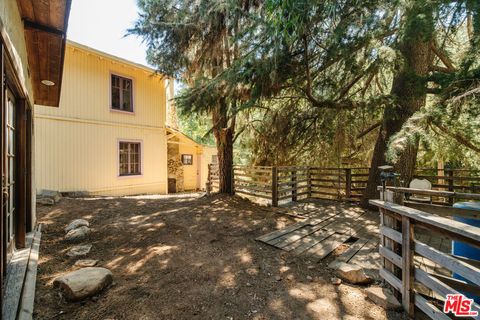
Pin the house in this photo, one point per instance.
(32, 46)
(110, 135)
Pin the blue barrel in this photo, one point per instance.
(462, 249)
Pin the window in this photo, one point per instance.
(214, 159)
(121, 90)
(187, 159)
(130, 158)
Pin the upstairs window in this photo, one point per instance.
(187, 159)
(122, 93)
(130, 158)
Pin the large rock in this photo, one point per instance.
(83, 283)
(50, 194)
(79, 251)
(352, 273)
(77, 235)
(45, 201)
(384, 298)
(77, 223)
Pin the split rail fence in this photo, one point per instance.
(400, 228)
(290, 183)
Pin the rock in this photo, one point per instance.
(78, 234)
(290, 277)
(45, 201)
(78, 251)
(83, 283)
(352, 273)
(76, 194)
(336, 281)
(50, 194)
(77, 223)
(384, 298)
(309, 278)
(278, 278)
(310, 267)
(86, 263)
(248, 284)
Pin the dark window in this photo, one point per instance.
(130, 158)
(187, 159)
(122, 93)
(214, 159)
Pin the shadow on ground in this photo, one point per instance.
(189, 257)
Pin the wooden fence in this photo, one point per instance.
(286, 183)
(399, 246)
(294, 182)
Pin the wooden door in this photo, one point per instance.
(9, 169)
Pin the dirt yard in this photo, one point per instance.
(189, 257)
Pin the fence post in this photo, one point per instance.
(309, 182)
(348, 183)
(274, 187)
(293, 179)
(209, 180)
(391, 222)
(450, 185)
(408, 267)
(233, 180)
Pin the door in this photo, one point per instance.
(199, 172)
(9, 170)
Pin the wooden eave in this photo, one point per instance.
(45, 24)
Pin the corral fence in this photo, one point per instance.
(401, 250)
(291, 183)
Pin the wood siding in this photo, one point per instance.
(77, 143)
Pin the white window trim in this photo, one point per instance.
(119, 74)
(141, 159)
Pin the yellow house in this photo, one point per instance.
(109, 135)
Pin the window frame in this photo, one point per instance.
(118, 74)
(187, 164)
(126, 176)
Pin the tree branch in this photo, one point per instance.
(458, 137)
(370, 129)
(443, 57)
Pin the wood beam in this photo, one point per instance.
(38, 26)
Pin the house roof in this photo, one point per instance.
(45, 23)
(178, 132)
(112, 57)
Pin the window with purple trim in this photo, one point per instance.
(122, 93)
(130, 158)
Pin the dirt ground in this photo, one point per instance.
(189, 257)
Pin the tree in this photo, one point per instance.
(196, 42)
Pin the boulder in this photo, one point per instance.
(384, 298)
(352, 273)
(86, 263)
(50, 194)
(83, 283)
(78, 251)
(76, 224)
(45, 201)
(77, 235)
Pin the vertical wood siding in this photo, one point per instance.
(77, 143)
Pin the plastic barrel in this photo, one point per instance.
(465, 250)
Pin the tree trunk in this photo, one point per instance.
(224, 134)
(409, 92)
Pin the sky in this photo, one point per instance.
(102, 24)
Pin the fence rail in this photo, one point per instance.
(399, 247)
(283, 183)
